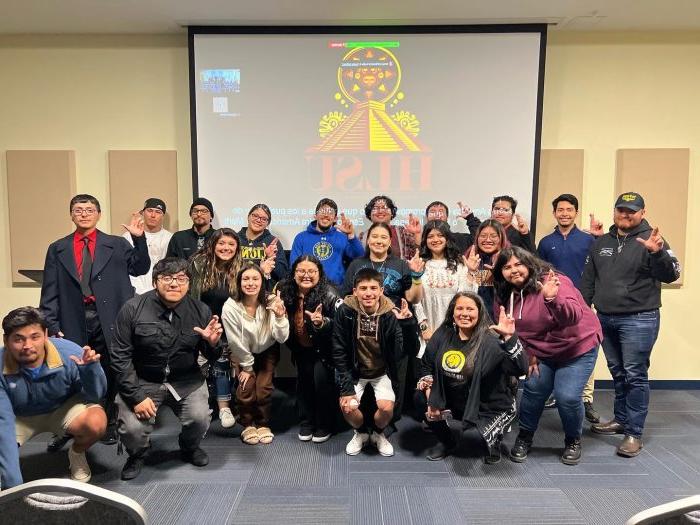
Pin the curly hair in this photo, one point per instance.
(451, 251)
(209, 272)
(536, 268)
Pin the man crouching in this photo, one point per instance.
(157, 339)
(47, 385)
(366, 345)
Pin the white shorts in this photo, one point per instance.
(381, 386)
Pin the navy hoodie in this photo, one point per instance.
(255, 251)
(330, 247)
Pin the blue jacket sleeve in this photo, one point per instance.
(354, 248)
(93, 381)
(10, 473)
(296, 250)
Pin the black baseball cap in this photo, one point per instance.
(630, 200)
(154, 202)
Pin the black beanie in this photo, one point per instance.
(201, 201)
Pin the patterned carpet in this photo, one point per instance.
(290, 481)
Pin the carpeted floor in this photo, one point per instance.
(290, 481)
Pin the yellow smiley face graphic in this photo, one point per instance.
(453, 361)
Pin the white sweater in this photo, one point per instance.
(248, 335)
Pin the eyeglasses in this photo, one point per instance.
(502, 210)
(326, 211)
(199, 211)
(301, 273)
(169, 279)
(488, 237)
(380, 208)
(259, 218)
(77, 212)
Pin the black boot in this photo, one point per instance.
(591, 413)
(572, 452)
(134, 464)
(438, 452)
(195, 456)
(521, 447)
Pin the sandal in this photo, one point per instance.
(265, 435)
(250, 436)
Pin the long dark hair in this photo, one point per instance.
(536, 268)
(206, 273)
(289, 290)
(451, 251)
(372, 227)
(249, 265)
(481, 329)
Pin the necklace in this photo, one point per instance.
(381, 266)
(620, 245)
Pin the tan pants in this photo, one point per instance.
(255, 402)
(56, 422)
(588, 389)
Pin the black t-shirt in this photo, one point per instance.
(397, 276)
(457, 368)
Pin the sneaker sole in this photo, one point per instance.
(321, 439)
(85, 480)
(571, 462)
(228, 425)
(353, 453)
(385, 454)
(304, 438)
(517, 460)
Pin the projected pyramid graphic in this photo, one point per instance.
(369, 78)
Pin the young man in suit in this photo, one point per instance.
(86, 282)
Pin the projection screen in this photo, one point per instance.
(419, 114)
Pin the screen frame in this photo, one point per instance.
(194, 30)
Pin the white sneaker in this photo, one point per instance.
(79, 468)
(355, 445)
(382, 443)
(226, 417)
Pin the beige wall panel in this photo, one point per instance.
(659, 175)
(135, 176)
(561, 171)
(36, 220)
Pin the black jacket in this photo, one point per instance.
(464, 241)
(622, 277)
(490, 405)
(62, 299)
(322, 337)
(149, 346)
(183, 244)
(345, 344)
(518, 239)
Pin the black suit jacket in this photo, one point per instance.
(61, 297)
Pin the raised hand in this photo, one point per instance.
(506, 325)
(346, 226)
(135, 226)
(404, 312)
(595, 227)
(550, 286)
(520, 224)
(413, 227)
(267, 265)
(472, 261)
(212, 332)
(271, 249)
(316, 316)
(654, 243)
(89, 356)
(276, 305)
(463, 211)
(416, 264)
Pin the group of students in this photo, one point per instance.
(448, 321)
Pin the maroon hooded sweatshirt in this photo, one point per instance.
(561, 329)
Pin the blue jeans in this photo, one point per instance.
(221, 372)
(567, 380)
(627, 343)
